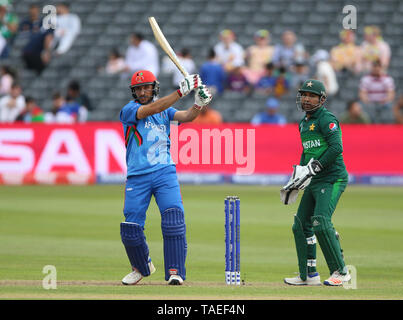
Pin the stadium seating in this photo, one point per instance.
(196, 24)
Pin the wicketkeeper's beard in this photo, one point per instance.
(307, 106)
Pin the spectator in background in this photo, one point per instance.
(12, 104)
(325, 72)
(377, 92)
(74, 94)
(289, 51)
(65, 111)
(398, 110)
(7, 77)
(33, 22)
(76, 111)
(236, 81)
(31, 113)
(374, 48)
(37, 52)
(274, 82)
(299, 74)
(68, 27)
(267, 81)
(258, 56)
(346, 56)
(354, 114)
(208, 116)
(229, 52)
(271, 115)
(8, 27)
(141, 54)
(282, 84)
(53, 116)
(116, 63)
(212, 74)
(186, 60)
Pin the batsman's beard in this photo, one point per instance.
(145, 99)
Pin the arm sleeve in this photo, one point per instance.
(332, 134)
(128, 115)
(171, 113)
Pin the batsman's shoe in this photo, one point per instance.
(175, 280)
(134, 277)
(337, 279)
(311, 280)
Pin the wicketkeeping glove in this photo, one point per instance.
(188, 84)
(288, 194)
(203, 97)
(302, 175)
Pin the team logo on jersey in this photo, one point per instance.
(332, 126)
(139, 77)
(312, 127)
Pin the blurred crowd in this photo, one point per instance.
(42, 44)
(264, 69)
(275, 70)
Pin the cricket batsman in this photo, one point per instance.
(151, 171)
(323, 177)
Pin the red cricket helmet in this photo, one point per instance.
(144, 77)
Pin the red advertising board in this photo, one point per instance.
(98, 148)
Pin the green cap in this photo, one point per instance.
(314, 86)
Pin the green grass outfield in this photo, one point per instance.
(76, 229)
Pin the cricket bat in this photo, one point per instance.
(159, 36)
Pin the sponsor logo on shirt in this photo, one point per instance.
(332, 126)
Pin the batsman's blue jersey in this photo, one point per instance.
(147, 140)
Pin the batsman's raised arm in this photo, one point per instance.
(145, 88)
(157, 106)
(203, 98)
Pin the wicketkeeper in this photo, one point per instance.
(323, 177)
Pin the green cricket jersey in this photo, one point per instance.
(321, 139)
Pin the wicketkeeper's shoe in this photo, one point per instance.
(311, 280)
(337, 279)
(134, 277)
(175, 280)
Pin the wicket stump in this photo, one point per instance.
(232, 240)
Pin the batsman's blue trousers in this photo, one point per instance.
(162, 184)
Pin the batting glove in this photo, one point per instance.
(188, 84)
(203, 97)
